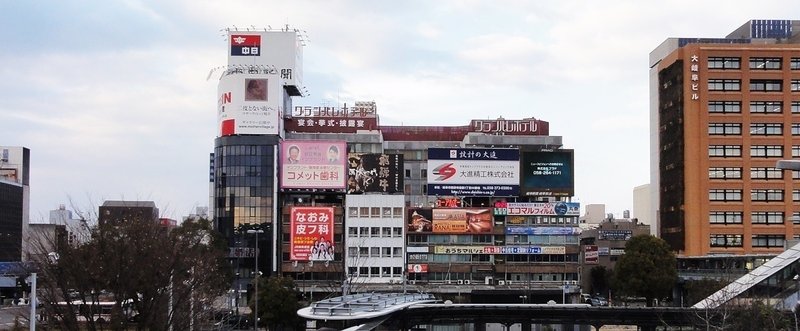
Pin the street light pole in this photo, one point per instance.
(255, 293)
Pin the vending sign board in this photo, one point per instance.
(548, 173)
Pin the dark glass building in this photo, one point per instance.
(123, 211)
(11, 221)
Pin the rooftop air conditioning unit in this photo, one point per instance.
(461, 281)
(467, 281)
(574, 282)
(509, 282)
(447, 281)
(413, 282)
(501, 282)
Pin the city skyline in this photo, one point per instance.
(114, 102)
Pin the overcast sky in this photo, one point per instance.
(112, 98)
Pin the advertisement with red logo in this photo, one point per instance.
(473, 172)
(245, 45)
(313, 165)
(418, 268)
(312, 234)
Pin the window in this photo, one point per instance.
(375, 252)
(766, 129)
(423, 173)
(724, 63)
(795, 195)
(375, 271)
(386, 232)
(408, 173)
(375, 212)
(397, 232)
(765, 63)
(724, 107)
(386, 252)
(375, 232)
(364, 211)
(387, 212)
(352, 251)
(796, 217)
(397, 251)
(795, 151)
(363, 251)
(766, 85)
(766, 195)
(768, 240)
(795, 107)
(726, 240)
(766, 173)
(794, 63)
(766, 217)
(397, 212)
(724, 173)
(795, 85)
(363, 232)
(724, 128)
(352, 211)
(352, 232)
(766, 151)
(724, 85)
(725, 217)
(725, 195)
(724, 151)
(773, 107)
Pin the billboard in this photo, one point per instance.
(473, 171)
(418, 268)
(614, 234)
(277, 53)
(544, 230)
(591, 255)
(248, 104)
(313, 165)
(493, 250)
(374, 173)
(462, 220)
(311, 234)
(548, 173)
(538, 208)
(419, 220)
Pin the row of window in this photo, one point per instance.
(771, 107)
(759, 240)
(756, 129)
(755, 151)
(755, 63)
(374, 252)
(375, 271)
(374, 232)
(756, 85)
(760, 195)
(757, 217)
(755, 173)
(375, 212)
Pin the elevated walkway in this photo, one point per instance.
(777, 280)
(363, 305)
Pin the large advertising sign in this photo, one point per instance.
(614, 234)
(527, 126)
(374, 173)
(312, 234)
(473, 172)
(462, 220)
(419, 219)
(538, 208)
(277, 53)
(248, 104)
(418, 268)
(493, 250)
(313, 165)
(548, 173)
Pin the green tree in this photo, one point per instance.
(647, 269)
(278, 303)
(600, 279)
(139, 263)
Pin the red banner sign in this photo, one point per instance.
(312, 234)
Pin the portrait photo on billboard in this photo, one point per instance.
(419, 220)
(548, 173)
(255, 89)
(374, 173)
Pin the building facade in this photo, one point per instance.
(723, 111)
(120, 211)
(15, 200)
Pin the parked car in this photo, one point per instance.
(597, 301)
